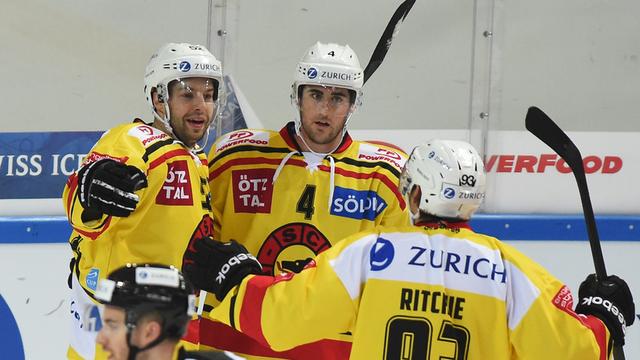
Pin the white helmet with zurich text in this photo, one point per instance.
(175, 61)
(451, 177)
(330, 65)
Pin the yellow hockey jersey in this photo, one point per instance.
(285, 209)
(287, 206)
(419, 293)
(174, 208)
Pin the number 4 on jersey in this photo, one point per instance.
(305, 203)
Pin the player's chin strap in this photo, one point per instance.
(167, 124)
(134, 350)
(414, 216)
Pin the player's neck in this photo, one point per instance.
(162, 351)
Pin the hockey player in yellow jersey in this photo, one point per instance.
(430, 291)
(288, 195)
(141, 193)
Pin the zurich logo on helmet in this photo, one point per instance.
(381, 254)
(449, 193)
(431, 154)
(184, 66)
(312, 73)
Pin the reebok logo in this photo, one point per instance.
(234, 261)
(602, 303)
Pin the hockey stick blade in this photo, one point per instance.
(541, 125)
(387, 37)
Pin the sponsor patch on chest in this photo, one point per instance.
(176, 189)
(357, 204)
(252, 190)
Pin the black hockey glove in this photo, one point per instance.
(108, 187)
(217, 267)
(610, 300)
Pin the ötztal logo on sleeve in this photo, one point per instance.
(252, 190)
(176, 189)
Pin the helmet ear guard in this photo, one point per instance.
(451, 178)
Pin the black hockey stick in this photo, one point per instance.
(541, 125)
(387, 37)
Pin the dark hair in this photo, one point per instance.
(352, 93)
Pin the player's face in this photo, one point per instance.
(323, 111)
(113, 335)
(192, 105)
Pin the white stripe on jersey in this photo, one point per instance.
(453, 263)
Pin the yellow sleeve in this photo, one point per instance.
(312, 305)
(565, 332)
(117, 144)
(586, 337)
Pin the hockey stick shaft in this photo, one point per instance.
(541, 125)
(387, 37)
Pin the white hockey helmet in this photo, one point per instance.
(329, 65)
(451, 177)
(175, 61)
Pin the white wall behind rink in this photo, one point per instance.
(33, 282)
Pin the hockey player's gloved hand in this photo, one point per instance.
(108, 187)
(610, 300)
(217, 267)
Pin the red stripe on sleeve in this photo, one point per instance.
(94, 234)
(251, 310)
(72, 183)
(564, 301)
(193, 332)
(219, 336)
(599, 331)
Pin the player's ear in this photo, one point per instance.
(414, 198)
(150, 329)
